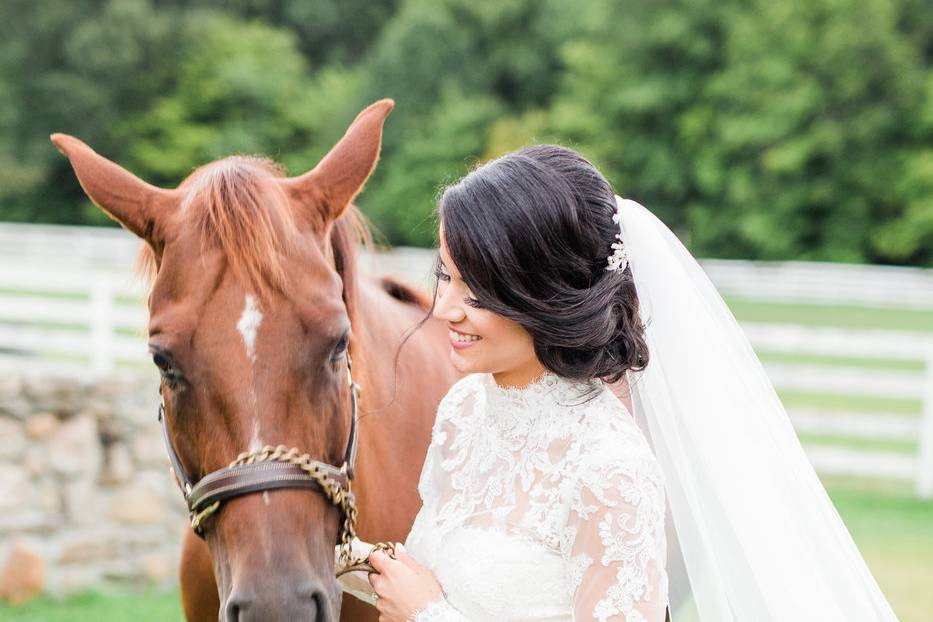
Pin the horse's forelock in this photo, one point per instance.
(235, 203)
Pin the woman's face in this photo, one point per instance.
(480, 340)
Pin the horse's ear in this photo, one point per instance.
(140, 207)
(340, 175)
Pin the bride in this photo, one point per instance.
(548, 497)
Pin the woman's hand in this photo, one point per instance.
(403, 585)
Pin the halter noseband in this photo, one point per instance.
(271, 468)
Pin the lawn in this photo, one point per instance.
(894, 532)
(148, 606)
(840, 316)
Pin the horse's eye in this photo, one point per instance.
(160, 360)
(341, 347)
(168, 371)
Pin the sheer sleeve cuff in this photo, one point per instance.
(439, 610)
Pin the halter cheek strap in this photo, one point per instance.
(271, 468)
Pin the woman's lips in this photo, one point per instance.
(457, 342)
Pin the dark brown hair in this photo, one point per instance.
(530, 233)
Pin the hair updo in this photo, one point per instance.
(530, 233)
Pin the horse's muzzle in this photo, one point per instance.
(305, 602)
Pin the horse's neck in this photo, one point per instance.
(414, 383)
(397, 406)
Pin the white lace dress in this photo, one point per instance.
(540, 507)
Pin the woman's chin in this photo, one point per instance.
(462, 362)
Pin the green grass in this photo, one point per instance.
(120, 298)
(861, 403)
(839, 316)
(894, 532)
(815, 359)
(909, 447)
(145, 606)
(45, 293)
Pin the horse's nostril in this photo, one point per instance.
(237, 604)
(320, 608)
(305, 603)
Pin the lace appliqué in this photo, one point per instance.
(629, 535)
(540, 505)
(501, 441)
(437, 611)
(576, 567)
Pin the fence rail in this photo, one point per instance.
(897, 287)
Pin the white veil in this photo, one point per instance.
(752, 534)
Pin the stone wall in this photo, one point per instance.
(86, 495)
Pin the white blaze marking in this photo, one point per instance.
(254, 442)
(248, 325)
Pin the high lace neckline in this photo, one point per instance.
(548, 393)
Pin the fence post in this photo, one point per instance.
(924, 488)
(102, 324)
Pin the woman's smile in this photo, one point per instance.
(462, 340)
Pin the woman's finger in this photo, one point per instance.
(402, 555)
(408, 560)
(379, 560)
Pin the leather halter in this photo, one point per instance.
(270, 474)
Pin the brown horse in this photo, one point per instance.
(255, 298)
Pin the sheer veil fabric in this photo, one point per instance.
(752, 534)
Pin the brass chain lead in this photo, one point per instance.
(336, 494)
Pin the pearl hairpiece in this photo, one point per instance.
(618, 260)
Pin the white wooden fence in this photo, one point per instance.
(812, 282)
(68, 302)
(872, 382)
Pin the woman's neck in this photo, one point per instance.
(520, 377)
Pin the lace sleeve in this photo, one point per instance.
(437, 611)
(615, 540)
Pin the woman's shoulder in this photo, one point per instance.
(611, 438)
(458, 397)
(462, 388)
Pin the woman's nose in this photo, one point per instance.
(446, 307)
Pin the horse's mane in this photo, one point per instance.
(236, 204)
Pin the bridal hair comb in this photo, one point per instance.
(618, 260)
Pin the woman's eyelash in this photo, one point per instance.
(473, 302)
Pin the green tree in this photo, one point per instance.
(813, 113)
(241, 87)
(442, 148)
(764, 130)
(76, 67)
(455, 69)
(754, 129)
(338, 32)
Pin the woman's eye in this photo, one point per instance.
(443, 276)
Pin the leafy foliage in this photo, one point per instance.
(755, 129)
